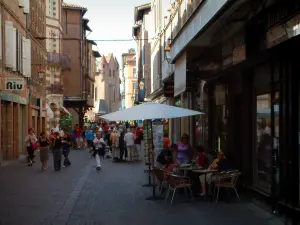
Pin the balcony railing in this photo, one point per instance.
(59, 59)
(55, 89)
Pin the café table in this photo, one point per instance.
(205, 172)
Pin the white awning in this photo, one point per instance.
(66, 111)
(180, 75)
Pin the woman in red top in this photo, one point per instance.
(202, 159)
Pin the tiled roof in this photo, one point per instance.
(71, 5)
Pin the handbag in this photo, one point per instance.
(35, 145)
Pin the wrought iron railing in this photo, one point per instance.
(55, 89)
(59, 59)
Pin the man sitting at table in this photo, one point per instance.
(209, 176)
(166, 159)
(202, 159)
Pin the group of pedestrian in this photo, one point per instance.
(124, 145)
(58, 142)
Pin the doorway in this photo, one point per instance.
(267, 141)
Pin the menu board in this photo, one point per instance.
(158, 139)
(148, 142)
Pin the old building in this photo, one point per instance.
(57, 63)
(77, 94)
(141, 33)
(37, 113)
(91, 86)
(107, 88)
(129, 78)
(23, 59)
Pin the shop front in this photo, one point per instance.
(253, 115)
(13, 125)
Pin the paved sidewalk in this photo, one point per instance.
(80, 195)
(29, 196)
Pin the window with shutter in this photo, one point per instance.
(14, 49)
(28, 41)
(8, 43)
(21, 3)
(51, 77)
(26, 9)
(24, 57)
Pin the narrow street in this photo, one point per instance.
(114, 196)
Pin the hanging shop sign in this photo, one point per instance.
(14, 84)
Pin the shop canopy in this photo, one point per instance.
(148, 111)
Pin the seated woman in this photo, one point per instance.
(209, 176)
(202, 159)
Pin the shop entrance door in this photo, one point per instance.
(265, 168)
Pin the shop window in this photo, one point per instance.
(221, 115)
(265, 144)
(202, 120)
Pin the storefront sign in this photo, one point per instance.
(14, 84)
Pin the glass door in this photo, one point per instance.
(265, 168)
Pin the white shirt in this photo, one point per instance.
(98, 142)
(129, 138)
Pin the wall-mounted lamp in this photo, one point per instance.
(168, 53)
(42, 73)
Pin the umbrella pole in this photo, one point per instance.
(149, 160)
(154, 197)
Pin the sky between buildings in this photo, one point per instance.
(111, 19)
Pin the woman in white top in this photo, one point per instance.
(29, 140)
(99, 145)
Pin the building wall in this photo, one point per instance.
(129, 77)
(37, 112)
(54, 73)
(71, 29)
(108, 82)
(13, 107)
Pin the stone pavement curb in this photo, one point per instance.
(64, 214)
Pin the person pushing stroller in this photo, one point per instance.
(99, 149)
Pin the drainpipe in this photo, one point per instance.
(28, 79)
(81, 77)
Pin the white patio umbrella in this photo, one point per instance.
(148, 111)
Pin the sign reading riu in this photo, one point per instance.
(14, 84)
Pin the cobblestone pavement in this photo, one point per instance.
(80, 195)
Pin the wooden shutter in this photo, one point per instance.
(26, 6)
(8, 43)
(14, 49)
(21, 3)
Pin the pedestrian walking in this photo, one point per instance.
(129, 139)
(44, 150)
(137, 142)
(31, 145)
(99, 149)
(122, 144)
(66, 149)
(90, 137)
(114, 138)
(56, 149)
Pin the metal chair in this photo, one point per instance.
(226, 180)
(177, 182)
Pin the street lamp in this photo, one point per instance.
(168, 53)
(41, 73)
